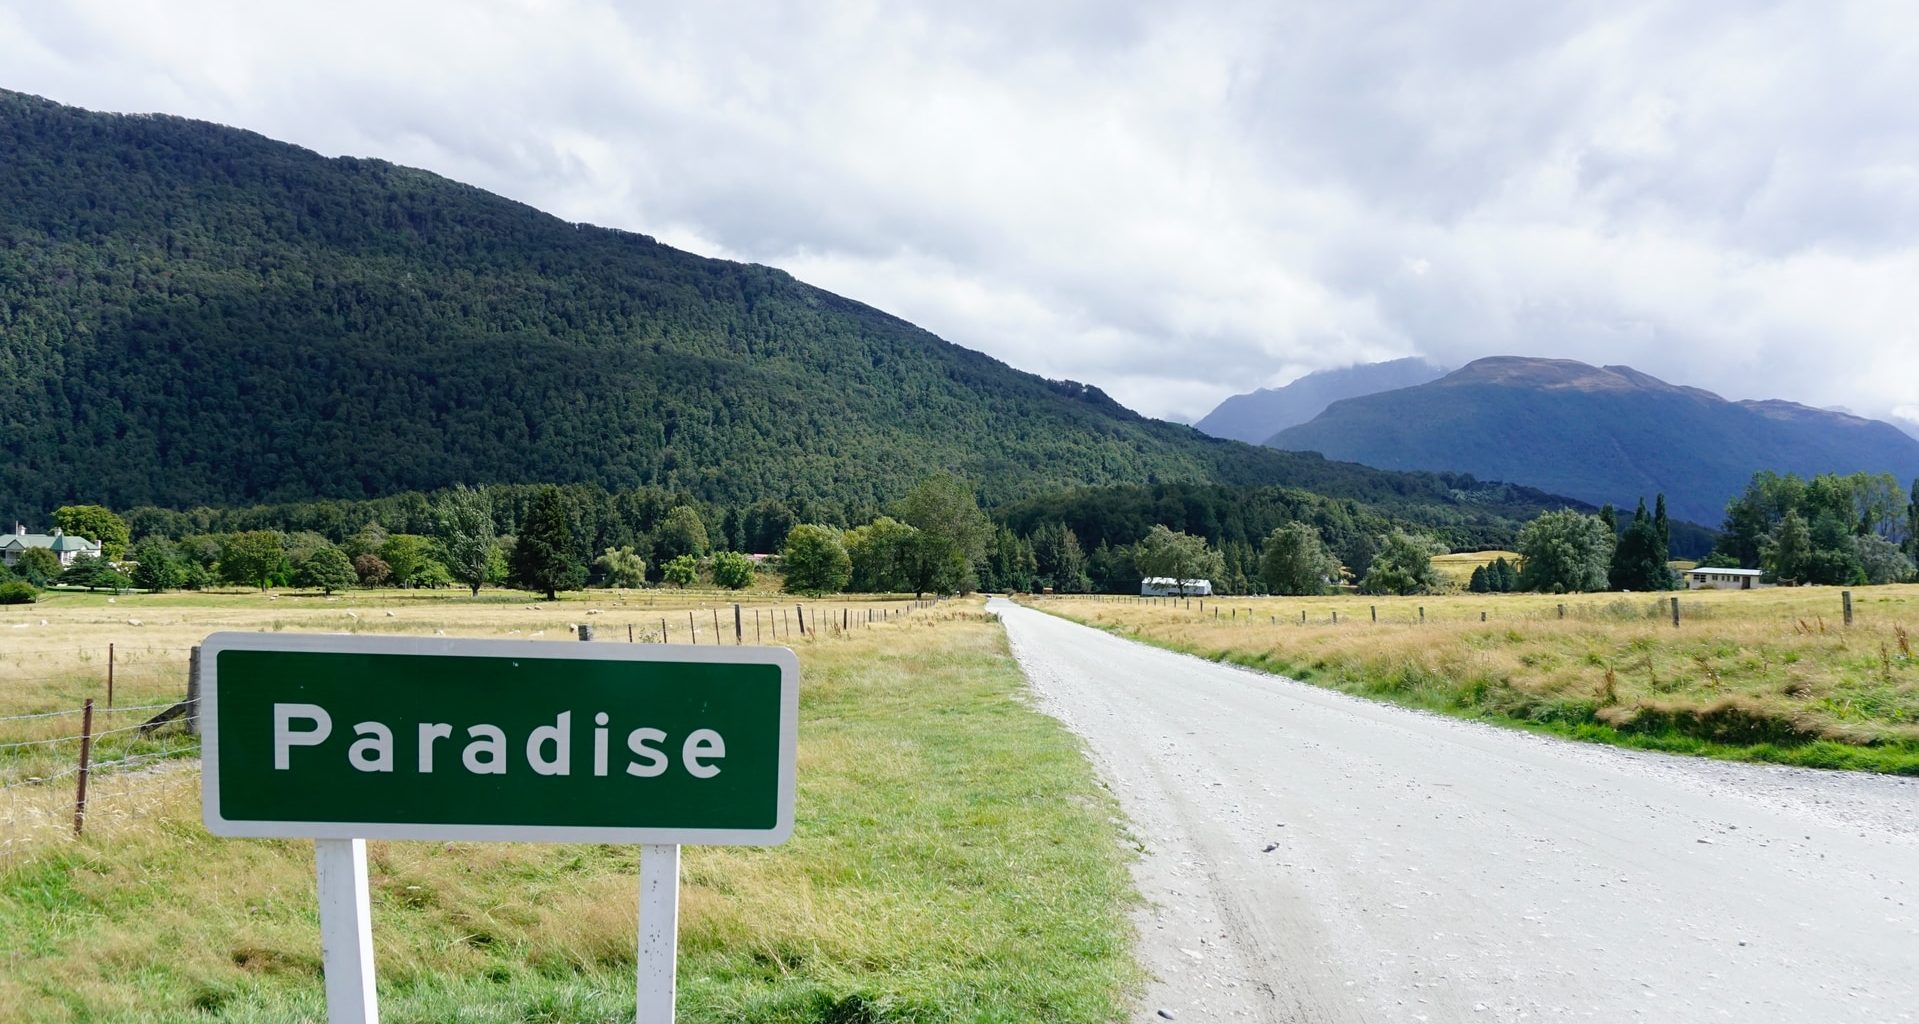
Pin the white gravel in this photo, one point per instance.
(1310, 856)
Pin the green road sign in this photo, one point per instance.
(430, 738)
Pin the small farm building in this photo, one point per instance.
(1166, 586)
(1719, 578)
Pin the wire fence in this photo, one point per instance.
(49, 757)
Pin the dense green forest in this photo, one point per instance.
(192, 315)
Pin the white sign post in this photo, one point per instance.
(344, 738)
(659, 932)
(346, 931)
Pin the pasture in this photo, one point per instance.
(1771, 675)
(953, 860)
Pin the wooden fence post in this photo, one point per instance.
(1845, 597)
(86, 751)
(800, 610)
(739, 627)
(1422, 614)
(1562, 611)
(193, 691)
(586, 631)
(1675, 613)
(663, 629)
(629, 632)
(1375, 613)
(716, 625)
(111, 646)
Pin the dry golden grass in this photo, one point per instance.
(1457, 568)
(1774, 673)
(54, 654)
(953, 860)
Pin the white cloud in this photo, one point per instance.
(1174, 202)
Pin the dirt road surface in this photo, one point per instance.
(1313, 857)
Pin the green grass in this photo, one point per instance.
(954, 860)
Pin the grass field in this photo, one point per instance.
(54, 655)
(953, 860)
(1457, 568)
(1768, 675)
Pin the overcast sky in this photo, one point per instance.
(1173, 201)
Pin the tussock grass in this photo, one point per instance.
(953, 860)
(1760, 675)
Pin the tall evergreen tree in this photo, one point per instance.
(1789, 549)
(1663, 524)
(1912, 522)
(1504, 576)
(1636, 561)
(543, 558)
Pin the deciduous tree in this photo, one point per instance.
(683, 532)
(814, 561)
(622, 567)
(1565, 552)
(1404, 565)
(953, 534)
(732, 570)
(254, 558)
(881, 554)
(463, 525)
(1180, 557)
(159, 567)
(682, 571)
(1296, 560)
(37, 566)
(326, 569)
(95, 523)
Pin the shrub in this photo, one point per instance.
(18, 592)
(732, 570)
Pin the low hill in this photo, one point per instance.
(1258, 415)
(196, 315)
(1599, 434)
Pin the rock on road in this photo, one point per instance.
(1309, 856)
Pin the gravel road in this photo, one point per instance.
(1310, 856)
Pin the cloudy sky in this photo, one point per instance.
(1173, 201)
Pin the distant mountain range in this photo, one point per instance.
(1599, 434)
(192, 314)
(1259, 415)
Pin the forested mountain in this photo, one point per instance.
(1257, 415)
(196, 315)
(1601, 434)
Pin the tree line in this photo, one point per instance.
(1831, 529)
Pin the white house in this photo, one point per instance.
(1166, 586)
(68, 549)
(1720, 578)
(17, 543)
